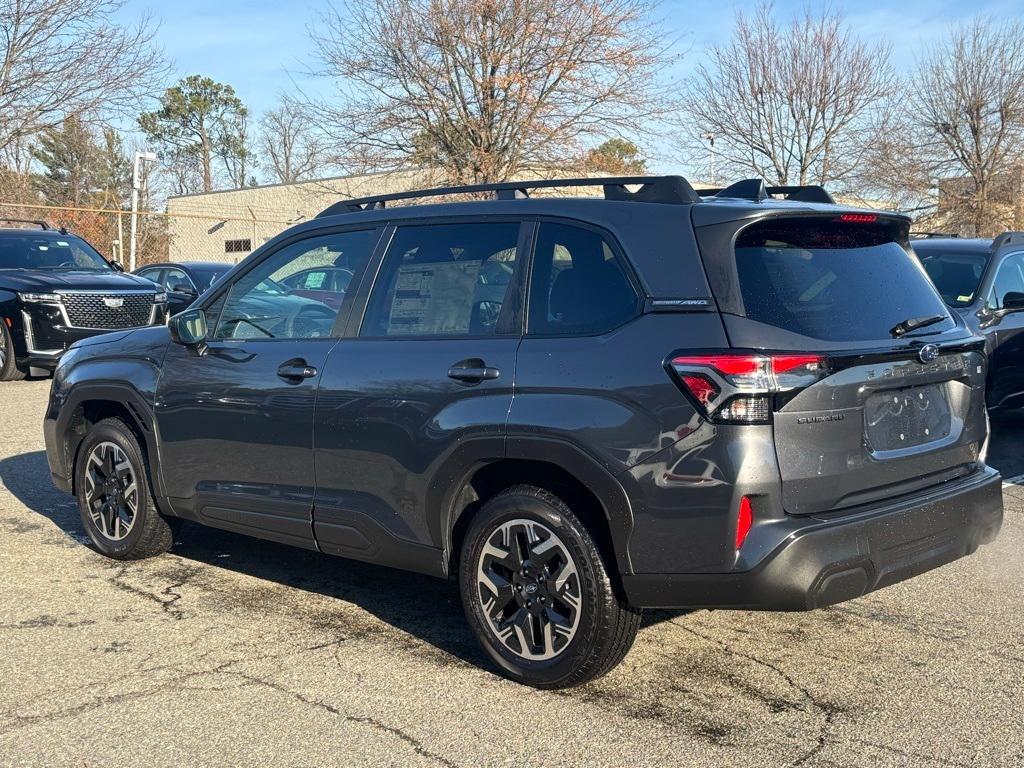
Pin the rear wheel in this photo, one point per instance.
(537, 593)
(114, 501)
(9, 370)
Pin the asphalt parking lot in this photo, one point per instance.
(231, 651)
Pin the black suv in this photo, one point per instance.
(578, 407)
(983, 281)
(55, 289)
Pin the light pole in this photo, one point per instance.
(710, 139)
(140, 157)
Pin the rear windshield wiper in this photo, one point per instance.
(906, 326)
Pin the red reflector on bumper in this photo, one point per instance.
(744, 520)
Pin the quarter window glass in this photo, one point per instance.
(1009, 279)
(578, 285)
(443, 280)
(266, 303)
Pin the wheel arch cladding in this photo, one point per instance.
(600, 503)
(91, 406)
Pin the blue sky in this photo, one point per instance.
(261, 47)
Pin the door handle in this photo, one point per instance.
(473, 371)
(296, 370)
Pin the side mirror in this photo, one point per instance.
(117, 266)
(1013, 301)
(189, 328)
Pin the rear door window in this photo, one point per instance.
(444, 280)
(832, 280)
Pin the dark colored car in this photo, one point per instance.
(577, 407)
(983, 282)
(184, 281)
(56, 289)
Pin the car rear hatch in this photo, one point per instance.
(874, 389)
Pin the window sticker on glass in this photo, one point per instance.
(315, 279)
(431, 298)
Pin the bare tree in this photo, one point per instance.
(292, 147)
(61, 58)
(487, 88)
(967, 109)
(236, 153)
(794, 103)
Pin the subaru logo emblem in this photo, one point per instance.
(927, 353)
(112, 302)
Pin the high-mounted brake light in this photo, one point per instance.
(735, 388)
(859, 218)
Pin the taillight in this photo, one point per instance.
(744, 521)
(737, 388)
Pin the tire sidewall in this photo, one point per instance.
(550, 672)
(9, 371)
(107, 432)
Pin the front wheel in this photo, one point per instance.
(537, 593)
(114, 500)
(9, 370)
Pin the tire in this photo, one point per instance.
(562, 566)
(119, 515)
(9, 370)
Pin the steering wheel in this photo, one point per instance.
(68, 263)
(310, 320)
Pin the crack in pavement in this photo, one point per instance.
(828, 711)
(373, 722)
(169, 592)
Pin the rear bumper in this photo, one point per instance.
(831, 560)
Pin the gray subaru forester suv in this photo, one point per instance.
(746, 398)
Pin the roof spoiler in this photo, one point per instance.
(1007, 239)
(757, 191)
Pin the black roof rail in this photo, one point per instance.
(653, 189)
(756, 190)
(36, 222)
(930, 235)
(1007, 238)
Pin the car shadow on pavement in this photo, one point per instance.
(425, 607)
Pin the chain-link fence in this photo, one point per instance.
(160, 236)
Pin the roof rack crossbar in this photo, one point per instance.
(35, 222)
(756, 190)
(653, 189)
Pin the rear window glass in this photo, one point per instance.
(956, 274)
(833, 281)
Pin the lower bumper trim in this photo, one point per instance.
(841, 559)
